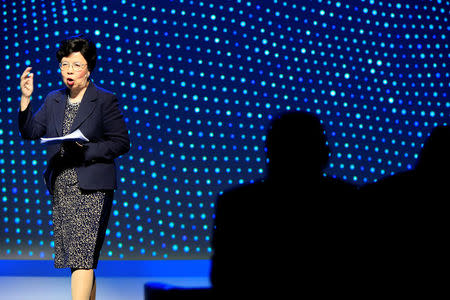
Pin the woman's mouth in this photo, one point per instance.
(70, 81)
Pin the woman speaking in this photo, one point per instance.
(81, 175)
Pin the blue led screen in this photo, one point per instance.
(199, 82)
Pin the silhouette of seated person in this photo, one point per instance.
(286, 233)
(407, 223)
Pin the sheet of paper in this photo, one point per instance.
(76, 136)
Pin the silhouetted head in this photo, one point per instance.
(434, 159)
(296, 147)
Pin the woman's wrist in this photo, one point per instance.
(24, 102)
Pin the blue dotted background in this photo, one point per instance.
(199, 82)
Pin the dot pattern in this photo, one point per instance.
(199, 82)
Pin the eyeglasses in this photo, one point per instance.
(77, 67)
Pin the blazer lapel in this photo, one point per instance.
(59, 111)
(87, 106)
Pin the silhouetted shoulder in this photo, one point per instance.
(244, 189)
(243, 197)
(336, 184)
(242, 226)
(390, 186)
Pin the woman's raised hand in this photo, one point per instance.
(26, 82)
(27, 87)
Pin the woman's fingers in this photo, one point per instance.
(27, 76)
(26, 73)
(26, 82)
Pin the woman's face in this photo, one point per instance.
(73, 78)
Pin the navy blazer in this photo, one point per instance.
(99, 119)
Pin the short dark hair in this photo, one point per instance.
(82, 44)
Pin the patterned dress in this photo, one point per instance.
(80, 217)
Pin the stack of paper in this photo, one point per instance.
(76, 136)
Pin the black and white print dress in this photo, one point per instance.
(80, 217)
